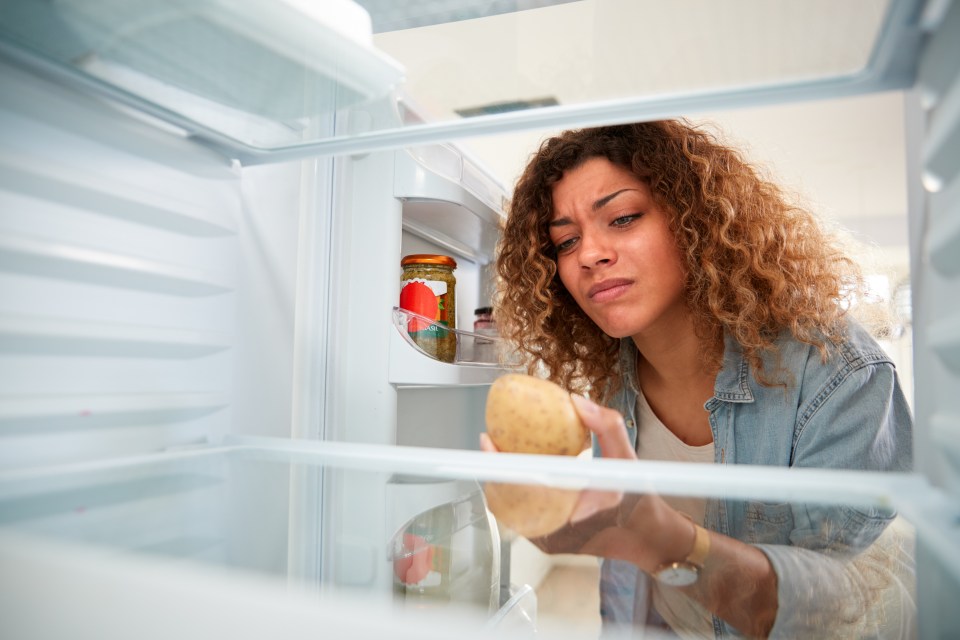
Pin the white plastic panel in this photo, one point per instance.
(449, 201)
(79, 187)
(146, 283)
(935, 282)
(937, 270)
(410, 367)
(117, 284)
(68, 411)
(944, 236)
(245, 72)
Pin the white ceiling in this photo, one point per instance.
(845, 157)
(605, 49)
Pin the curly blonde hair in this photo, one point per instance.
(755, 263)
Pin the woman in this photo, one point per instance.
(650, 268)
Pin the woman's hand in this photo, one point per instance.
(645, 530)
(642, 529)
(608, 428)
(738, 582)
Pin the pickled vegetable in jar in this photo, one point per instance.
(428, 288)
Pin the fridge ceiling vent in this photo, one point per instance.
(504, 107)
(393, 15)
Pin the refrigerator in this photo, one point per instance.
(213, 420)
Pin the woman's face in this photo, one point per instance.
(615, 252)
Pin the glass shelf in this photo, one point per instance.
(234, 512)
(261, 80)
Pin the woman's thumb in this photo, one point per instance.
(607, 426)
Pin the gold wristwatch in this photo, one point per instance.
(686, 571)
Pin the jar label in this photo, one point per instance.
(427, 298)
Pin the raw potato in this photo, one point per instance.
(531, 415)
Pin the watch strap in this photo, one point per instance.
(701, 546)
(685, 572)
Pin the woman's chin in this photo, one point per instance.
(617, 327)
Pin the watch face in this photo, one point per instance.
(677, 574)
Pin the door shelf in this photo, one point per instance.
(449, 200)
(478, 359)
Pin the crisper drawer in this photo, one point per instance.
(313, 527)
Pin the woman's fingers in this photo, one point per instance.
(486, 444)
(607, 426)
(592, 502)
(615, 543)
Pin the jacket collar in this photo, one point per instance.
(733, 380)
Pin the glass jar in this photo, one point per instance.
(428, 289)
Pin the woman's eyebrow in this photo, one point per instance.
(596, 206)
(599, 204)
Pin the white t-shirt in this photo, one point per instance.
(656, 442)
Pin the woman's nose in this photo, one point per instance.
(594, 251)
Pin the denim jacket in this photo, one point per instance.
(847, 413)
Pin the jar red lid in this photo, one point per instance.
(428, 258)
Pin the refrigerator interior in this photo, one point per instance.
(199, 361)
(159, 297)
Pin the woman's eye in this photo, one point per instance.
(623, 221)
(565, 245)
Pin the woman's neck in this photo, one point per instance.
(673, 354)
(676, 380)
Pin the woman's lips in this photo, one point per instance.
(607, 290)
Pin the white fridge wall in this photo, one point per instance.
(147, 284)
(147, 304)
(130, 301)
